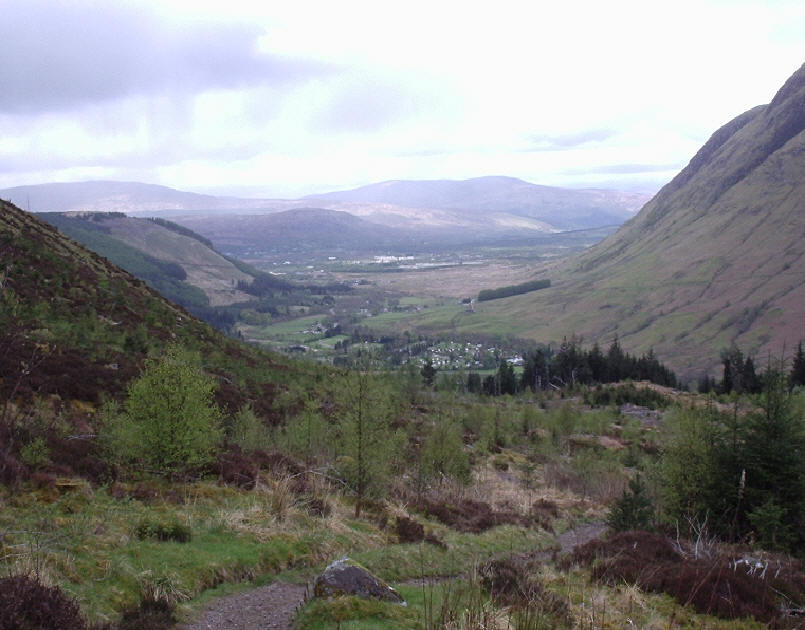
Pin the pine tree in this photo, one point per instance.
(615, 362)
(773, 451)
(428, 373)
(633, 510)
(797, 376)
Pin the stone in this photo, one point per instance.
(347, 577)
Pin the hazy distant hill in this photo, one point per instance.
(108, 196)
(716, 257)
(496, 205)
(560, 207)
(362, 229)
(300, 230)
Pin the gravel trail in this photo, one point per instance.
(269, 607)
(273, 607)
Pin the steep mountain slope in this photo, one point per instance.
(717, 257)
(560, 207)
(75, 326)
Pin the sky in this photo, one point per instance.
(282, 99)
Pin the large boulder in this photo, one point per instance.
(347, 577)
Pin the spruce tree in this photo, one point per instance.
(797, 376)
(774, 458)
(633, 510)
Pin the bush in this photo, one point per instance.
(720, 586)
(162, 532)
(235, 467)
(12, 471)
(148, 616)
(409, 531)
(467, 515)
(28, 604)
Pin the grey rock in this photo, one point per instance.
(347, 577)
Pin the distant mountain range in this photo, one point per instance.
(716, 257)
(108, 196)
(397, 214)
(561, 208)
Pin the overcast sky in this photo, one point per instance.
(281, 99)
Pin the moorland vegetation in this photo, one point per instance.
(148, 462)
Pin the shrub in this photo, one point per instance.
(162, 532)
(719, 586)
(26, 603)
(467, 515)
(511, 580)
(236, 468)
(12, 471)
(409, 531)
(318, 506)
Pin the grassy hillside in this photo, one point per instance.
(715, 258)
(180, 265)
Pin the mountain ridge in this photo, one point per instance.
(558, 208)
(562, 207)
(713, 259)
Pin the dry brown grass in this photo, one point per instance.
(455, 282)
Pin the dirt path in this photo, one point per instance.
(269, 607)
(273, 607)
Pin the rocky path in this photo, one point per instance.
(269, 607)
(273, 607)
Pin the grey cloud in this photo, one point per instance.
(367, 104)
(546, 142)
(58, 55)
(170, 150)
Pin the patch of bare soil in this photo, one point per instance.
(580, 535)
(270, 607)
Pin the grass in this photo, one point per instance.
(413, 301)
(86, 542)
(400, 562)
